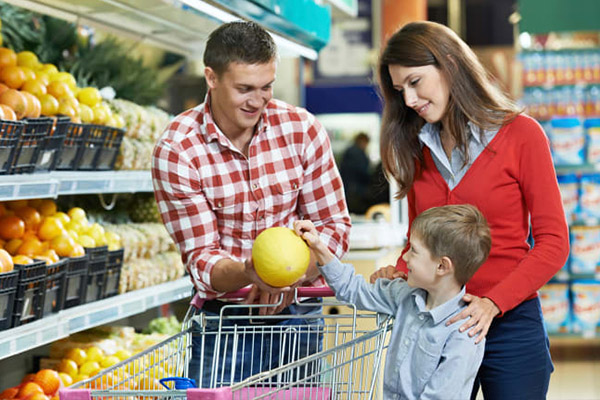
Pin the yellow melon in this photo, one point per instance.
(280, 256)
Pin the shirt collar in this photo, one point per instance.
(441, 312)
(213, 131)
(430, 134)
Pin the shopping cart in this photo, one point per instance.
(346, 364)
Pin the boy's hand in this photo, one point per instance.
(307, 231)
(480, 313)
(388, 272)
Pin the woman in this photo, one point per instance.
(448, 137)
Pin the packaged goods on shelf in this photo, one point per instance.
(592, 129)
(569, 190)
(586, 306)
(585, 250)
(567, 140)
(554, 298)
(138, 273)
(589, 197)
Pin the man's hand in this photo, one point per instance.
(389, 272)
(262, 293)
(480, 313)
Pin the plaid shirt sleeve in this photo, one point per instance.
(184, 209)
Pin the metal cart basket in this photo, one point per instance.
(346, 364)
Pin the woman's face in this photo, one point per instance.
(424, 89)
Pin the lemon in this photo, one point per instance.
(280, 256)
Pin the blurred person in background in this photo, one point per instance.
(356, 175)
(449, 136)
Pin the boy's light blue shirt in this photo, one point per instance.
(425, 359)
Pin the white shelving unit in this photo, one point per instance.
(62, 324)
(57, 183)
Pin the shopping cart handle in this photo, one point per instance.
(303, 292)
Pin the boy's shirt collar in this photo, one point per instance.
(443, 311)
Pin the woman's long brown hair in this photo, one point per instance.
(472, 96)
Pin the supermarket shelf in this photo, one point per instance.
(66, 322)
(56, 183)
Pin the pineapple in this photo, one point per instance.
(143, 208)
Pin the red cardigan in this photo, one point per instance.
(512, 181)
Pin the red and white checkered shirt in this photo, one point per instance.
(214, 201)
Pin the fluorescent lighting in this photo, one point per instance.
(285, 46)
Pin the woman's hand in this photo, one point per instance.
(389, 272)
(480, 313)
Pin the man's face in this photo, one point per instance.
(240, 94)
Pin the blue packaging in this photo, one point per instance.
(585, 250)
(567, 141)
(589, 197)
(556, 309)
(569, 191)
(592, 134)
(586, 306)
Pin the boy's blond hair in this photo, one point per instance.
(459, 232)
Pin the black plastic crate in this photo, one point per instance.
(96, 272)
(56, 276)
(113, 272)
(72, 146)
(10, 131)
(8, 291)
(106, 157)
(29, 301)
(30, 144)
(75, 281)
(90, 149)
(53, 143)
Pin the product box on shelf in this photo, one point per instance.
(10, 132)
(52, 145)
(96, 272)
(31, 142)
(586, 306)
(556, 308)
(75, 282)
(585, 250)
(567, 141)
(56, 276)
(8, 290)
(592, 133)
(29, 301)
(568, 185)
(589, 198)
(114, 265)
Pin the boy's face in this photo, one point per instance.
(421, 265)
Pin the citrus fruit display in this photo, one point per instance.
(280, 256)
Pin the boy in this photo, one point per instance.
(426, 359)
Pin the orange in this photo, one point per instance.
(7, 57)
(47, 207)
(63, 245)
(78, 251)
(65, 378)
(86, 113)
(6, 262)
(90, 368)
(2, 209)
(68, 367)
(50, 228)
(12, 246)
(29, 74)
(27, 59)
(30, 216)
(34, 106)
(8, 113)
(29, 388)
(64, 217)
(76, 354)
(35, 87)
(15, 100)
(9, 393)
(14, 77)
(49, 104)
(65, 77)
(48, 380)
(28, 378)
(50, 69)
(30, 247)
(22, 260)
(57, 89)
(51, 254)
(77, 213)
(16, 204)
(94, 353)
(11, 227)
(37, 396)
(3, 88)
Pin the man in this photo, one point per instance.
(235, 165)
(356, 174)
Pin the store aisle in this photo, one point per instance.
(575, 380)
